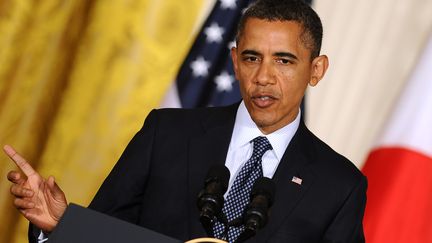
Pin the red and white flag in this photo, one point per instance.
(399, 169)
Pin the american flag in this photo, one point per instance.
(297, 180)
(206, 77)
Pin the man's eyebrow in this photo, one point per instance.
(277, 54)
(250, 52)
(286, 54)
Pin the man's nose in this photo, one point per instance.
(264, 75)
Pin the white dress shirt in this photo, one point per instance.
(240, 148)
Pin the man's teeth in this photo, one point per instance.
(264, 97)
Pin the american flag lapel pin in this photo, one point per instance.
(297, 180)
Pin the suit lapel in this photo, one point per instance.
(207, 149)
(288, 193)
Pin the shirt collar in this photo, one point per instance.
(245, 130)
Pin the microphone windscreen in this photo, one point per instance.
(264, 186)
(220, 173)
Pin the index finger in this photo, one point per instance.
(19, 161)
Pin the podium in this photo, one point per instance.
(80, 224)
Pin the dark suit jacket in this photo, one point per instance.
(157, 179)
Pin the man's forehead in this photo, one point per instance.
(263, 27)
(275, 32)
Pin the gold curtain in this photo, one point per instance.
(77, 79)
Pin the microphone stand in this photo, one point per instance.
(236, 223)
(251, 227)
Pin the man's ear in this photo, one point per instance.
(234, 60)
(319, 68)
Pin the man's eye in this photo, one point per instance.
(251, 59)
(284, 61)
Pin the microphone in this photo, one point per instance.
(210, 200)
(255, 216)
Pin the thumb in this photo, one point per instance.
(54, 189)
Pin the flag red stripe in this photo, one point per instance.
(399, 207)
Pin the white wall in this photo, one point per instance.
(373, 47)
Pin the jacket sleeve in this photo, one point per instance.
(347, 226)
(33, 233)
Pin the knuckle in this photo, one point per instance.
(16, 190)
(17, 202)
(12, 189)
(14, 176)
(11, 175)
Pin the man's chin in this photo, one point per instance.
(261, 122)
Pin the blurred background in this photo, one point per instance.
(77, 79)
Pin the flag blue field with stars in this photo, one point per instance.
(206, 77)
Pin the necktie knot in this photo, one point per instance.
(260, 146)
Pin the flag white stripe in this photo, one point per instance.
(411, 123)
(171, 99)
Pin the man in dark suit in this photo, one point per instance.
(320, 195)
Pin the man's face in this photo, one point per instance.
(274, 69)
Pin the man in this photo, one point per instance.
(320, 195)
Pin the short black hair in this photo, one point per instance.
(287, 10)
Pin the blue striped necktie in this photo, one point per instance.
(238, 196)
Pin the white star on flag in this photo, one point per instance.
(297, 180)
(214, 33)
(224, 82)
(228, 4)
(200, 67)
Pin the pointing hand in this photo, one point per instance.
(40, 200)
